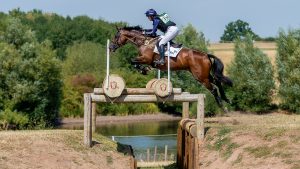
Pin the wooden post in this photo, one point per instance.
(155, 152)
(185, 110)
(166, 152)
(197, 145)
(88, 119)
(191, 152)
(148, 154)
(179, 146)
(94, 116)
(200, 117)
(186, 149)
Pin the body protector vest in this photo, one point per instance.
(165, 22)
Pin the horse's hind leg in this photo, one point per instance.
(213, 90)
(222, 92)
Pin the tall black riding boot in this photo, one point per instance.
(162, 55)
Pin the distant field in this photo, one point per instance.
(225, 51)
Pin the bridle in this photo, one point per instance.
(130, 39)
(133, 38)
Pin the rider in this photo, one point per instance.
(164, 24)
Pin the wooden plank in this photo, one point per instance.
(166, 152)
(136, 91)
(191, 152)
(87, 119)
(193, 130)
(186, 151)
(155, 153)
(188, 125)
(184, 121)
(200, 117)
(185, 110)
(198, 144)
(94, 116)
(179, 147)
(148, 155)
(145, 98)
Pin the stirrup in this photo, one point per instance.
(159, 62)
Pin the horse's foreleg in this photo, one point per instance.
(137, 63)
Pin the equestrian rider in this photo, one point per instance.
(165, 25)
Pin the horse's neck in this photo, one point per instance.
(141, 40)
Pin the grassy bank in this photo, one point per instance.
(241, 141)
(59, 149)
(252, 141)
(237, 141)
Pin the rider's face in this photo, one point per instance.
(150, 18)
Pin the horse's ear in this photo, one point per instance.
(117, 27)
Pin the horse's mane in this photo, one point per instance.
(130, 28)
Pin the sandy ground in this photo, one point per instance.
(58, 149)
(246, 141)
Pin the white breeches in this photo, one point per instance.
(171, 33)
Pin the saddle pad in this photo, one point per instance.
(173, 51)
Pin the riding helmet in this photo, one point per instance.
(150, 12)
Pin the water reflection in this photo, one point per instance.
(141, 136)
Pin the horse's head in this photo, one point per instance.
(124, 35)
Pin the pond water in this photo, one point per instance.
(142, 136)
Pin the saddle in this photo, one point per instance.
(153, 41)
(175, 45)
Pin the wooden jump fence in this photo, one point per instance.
(189, 142)
(190, 132)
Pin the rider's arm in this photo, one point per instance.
(152, 32)
(155, 24)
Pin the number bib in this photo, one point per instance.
(165, 18)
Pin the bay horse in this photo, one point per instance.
(205, 68)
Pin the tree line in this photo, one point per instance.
(48, 61)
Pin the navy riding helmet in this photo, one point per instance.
(150, 12)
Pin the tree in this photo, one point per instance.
(237, 29)
(193, 39)
(30, 76)
(288, 64)
(252, 75)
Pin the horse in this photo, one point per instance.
(205, 68)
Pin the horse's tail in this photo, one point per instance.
(218, 68)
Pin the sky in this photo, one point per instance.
(265, 17)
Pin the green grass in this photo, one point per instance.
(223, 143)
(238, 160)
(274, 133)
(260, 151)
(109, 160)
